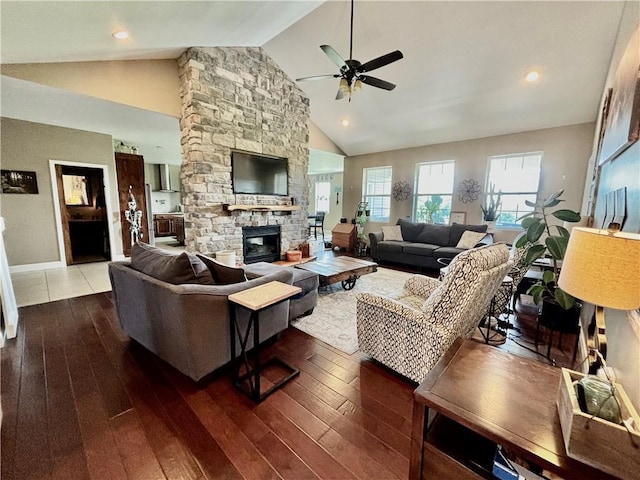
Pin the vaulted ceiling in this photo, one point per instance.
(461, 76)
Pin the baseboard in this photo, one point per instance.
(36, 266)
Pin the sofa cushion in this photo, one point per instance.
(434, 234)
(392, 246)
(392, 233)
(447, 252)
(169, 267)
(410, 230)
(223, 274)
(457, 229)
(422, 249)
(469, 239)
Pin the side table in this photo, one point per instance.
(478, 397)
(256, 300)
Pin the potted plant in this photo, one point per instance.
(560, 311)
(492, 205)
(361, 219)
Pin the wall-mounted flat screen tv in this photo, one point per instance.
(258, 174)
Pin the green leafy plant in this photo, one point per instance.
(490, 209)
(430, 207)
(536, 224)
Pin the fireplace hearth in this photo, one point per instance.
(261, 244)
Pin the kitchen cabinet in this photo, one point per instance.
(168, 225)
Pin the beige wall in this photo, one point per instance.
(566, 154)
(30, 237)
(149, 84)
(319, 141)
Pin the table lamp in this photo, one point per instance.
(602, 267)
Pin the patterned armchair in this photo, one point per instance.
(410, 331)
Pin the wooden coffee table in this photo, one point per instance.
(339, 269)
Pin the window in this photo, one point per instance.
(376, 191)
(434, 192)
(323, 191)
(517, 176)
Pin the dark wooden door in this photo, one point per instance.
(130, 172)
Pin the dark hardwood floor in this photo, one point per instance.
(82, 401)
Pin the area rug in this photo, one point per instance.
(334, 319)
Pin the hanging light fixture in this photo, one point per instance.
(345, 88)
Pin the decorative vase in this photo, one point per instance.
(491, 225)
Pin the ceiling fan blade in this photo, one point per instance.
(376, 82)
(333, 55)
(380, 61)
(318, 77)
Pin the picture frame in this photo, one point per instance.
(458, 217)
(19, 181)
(622, 125)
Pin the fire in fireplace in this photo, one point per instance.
(261, 244)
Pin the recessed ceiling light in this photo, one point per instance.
(344, 122)
(120, 34)
(532, 76)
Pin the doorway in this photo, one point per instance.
(82, 212)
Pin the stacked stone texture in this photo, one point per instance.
(236, 98)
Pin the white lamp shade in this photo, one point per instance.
(603, 268)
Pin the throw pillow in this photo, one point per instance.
(457, 229)
(223, 274)
(169, 267)
(469, 239)
(392, 233)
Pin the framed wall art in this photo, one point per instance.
(622, 125)
(458, 217)
(18, 181)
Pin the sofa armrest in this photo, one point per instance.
(421, 285)
(486, 240)
(283, 275)
(374, 238)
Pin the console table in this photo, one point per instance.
(255, 300)
(480, 397)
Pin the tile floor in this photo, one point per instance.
(42, 286)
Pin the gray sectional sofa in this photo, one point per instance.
(423, 244)
(176, 305)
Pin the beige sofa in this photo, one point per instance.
(186, 324)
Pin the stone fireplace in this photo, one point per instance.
(261, 244)
(236, 98)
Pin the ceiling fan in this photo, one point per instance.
(353, 73)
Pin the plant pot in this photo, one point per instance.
(556, 318)
(294, 255)
(491, 225)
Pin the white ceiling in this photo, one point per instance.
(461, 77)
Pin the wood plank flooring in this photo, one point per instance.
(82, 401)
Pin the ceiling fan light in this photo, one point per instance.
(344, 86)
(357, 86)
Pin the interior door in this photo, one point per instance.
(63, 217)
(130, 172)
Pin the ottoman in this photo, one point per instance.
(302, 303)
